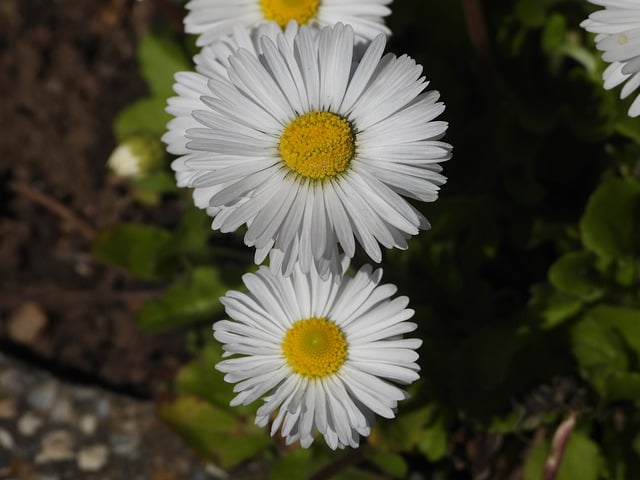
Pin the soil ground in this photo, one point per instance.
(66, 69)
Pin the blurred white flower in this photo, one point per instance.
(137, 156)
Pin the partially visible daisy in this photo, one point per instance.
(324, 354)
(308, 149)
(618, 36)
(212, 19)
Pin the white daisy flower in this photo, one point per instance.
(212, 19)
(618, 36)
(308, 149)
(323, 353)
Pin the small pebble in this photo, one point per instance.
(56, 445)
(43, 396)
(6, 440)
(124, 444)
(215, 471)
(88, 424)
(92, 458)
(29, 423)
(62, 411)
(10, 382)
(103, 407)
(8, 408)
(26, 323)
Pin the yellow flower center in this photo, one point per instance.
(315, 347)
(317, 145)
(281, 11)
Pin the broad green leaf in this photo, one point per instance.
(140, 249)
(623, 386)
(610, 225)
(159, 182)
(200, 378)
(581, 460)
(185, 302)
(625, 320)
(219, 435)
(145, 115)
(389, 463)
(536, 458)
(402, 433)
(553, 307)
(598, 350)
(434, 443)
(160, 58)
(294, 465)
(572, 274)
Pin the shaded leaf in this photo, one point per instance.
(160, 58)
(572, 274)
(145, 115)
(185, 302)
(140, 249)
(610, 225)
(219, 435)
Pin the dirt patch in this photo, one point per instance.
(67, 68)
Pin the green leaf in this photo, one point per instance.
(552, 306)
(159, 182)
(625, 320)
(145, 115)
(623, 386)
(184, 303)
(572, 274)
(219, 435)
(598, 350)
(160, 58)
(200, 378)
(295, 465)
(402, 433)
(141, 249)
(434, 443)
(610, 225)
(581, 460)
(534, 463)
(390, 463)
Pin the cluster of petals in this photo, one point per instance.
(340, 406)
(618, 35)
(230, 117)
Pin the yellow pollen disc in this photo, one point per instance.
(314, 347)
(281, 11)
(317, 145)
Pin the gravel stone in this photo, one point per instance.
(92, 458)
(56, 446)
(8, 408)
(6, 440)
(88, 424)
(29, 423)
(43, 396)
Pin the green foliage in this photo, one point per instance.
(226, 438)
(160, 58)
(611, 223)
(187, 302)
(141, 249)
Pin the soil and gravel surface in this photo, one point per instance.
(66, 68)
